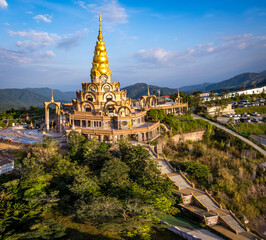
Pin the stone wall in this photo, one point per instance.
(191, 136)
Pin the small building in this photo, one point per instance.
(214, 109)
(6, 163)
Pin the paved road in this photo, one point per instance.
(22, 135)
(233, 133)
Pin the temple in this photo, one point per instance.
(103, 111)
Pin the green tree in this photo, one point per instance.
(156, 114)
(199, 171)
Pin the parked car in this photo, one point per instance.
(243, 120)
(255, 120)
(262, 104)
(243, 101)
(246, 115)
(255, 114)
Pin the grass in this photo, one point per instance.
(80, 231)
(250, 128)
(258, 109)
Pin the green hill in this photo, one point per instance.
(249, 80)
(24, 98)
(139, 89)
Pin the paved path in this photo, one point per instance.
(233, 133)
(21, 135)
(205, 200)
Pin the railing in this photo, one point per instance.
(238, 221)
(211, 197)
(186, 179)
(227, 224)
(200, 203)
(118, 132)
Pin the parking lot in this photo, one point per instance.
(245, 103)
(253, 117)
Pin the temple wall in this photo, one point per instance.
(191, 136)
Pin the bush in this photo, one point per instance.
(199, 171)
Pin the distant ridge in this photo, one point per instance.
(140, 89)
(248, 80)
(24, 98)
(19, 98)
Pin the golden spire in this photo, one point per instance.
(178, 94)
(52, 97)
(148, 90)
(100, 36)
(100, 64)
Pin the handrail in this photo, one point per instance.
(227, 224)
(202, 204)
(169, 165)
(240, 223)
(211, 197)
(190, 183)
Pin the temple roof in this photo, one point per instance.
(100, 64)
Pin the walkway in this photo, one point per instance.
(204, 205)
(263, 152)
(21, 135)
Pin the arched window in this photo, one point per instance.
(88, 108)
(109, 98)
(111, 108)
(106, 88)
(90, 98)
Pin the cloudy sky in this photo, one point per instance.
(169, 43)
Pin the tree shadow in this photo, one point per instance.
(74, 234)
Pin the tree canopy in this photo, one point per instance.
(122, 191)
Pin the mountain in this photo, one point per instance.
(193, 88)
(58, 95)
(139, 89)
(20, 98)
(249, 80)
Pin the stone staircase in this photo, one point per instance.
(230, 220)
(208, 202)
(235, 229)
(179, 180)
(164, 167)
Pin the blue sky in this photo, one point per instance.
(166, 43)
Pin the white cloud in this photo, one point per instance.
(70, 41)
(34, 47)
(236, 37)
(7, 24)
(45, 18)
(3, 4)
(22, 57)
(229, 45)
(13, 56)
(47, 54)
(112, 12)
(35, 39)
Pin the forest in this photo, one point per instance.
(115, 193)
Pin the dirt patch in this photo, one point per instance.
(7, 146)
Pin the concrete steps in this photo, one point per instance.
(207, 201)
(233, 223)
(165, 169)
(179, 180)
